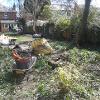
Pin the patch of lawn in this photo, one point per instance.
(20, 38)
(23, 38)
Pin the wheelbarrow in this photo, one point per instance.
(22, 65)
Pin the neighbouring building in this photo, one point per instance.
(7, 19)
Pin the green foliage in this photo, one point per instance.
(93, 35)
(75, 23)
(6, 80)
(67, 78)
(42, 89)
(61, 45)
(81, 90)
(61, 26)
(92, 15)
(63, 23)
(46, 13)
(35, 7)
(41, 63)
(81, 57)
(77, 56)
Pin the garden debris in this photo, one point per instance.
(36, 35)
(53, 64)
(53, 83)
(6, 40)
(41, 46)
(58, 59)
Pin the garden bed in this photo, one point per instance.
(75, 76)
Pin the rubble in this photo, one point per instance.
(6, 40)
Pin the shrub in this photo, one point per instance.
(42, 89)
(75, 24)
(41, 63)
(67, 76)
(93, 35)
(63, 23)
(7, 82)
(61, 26)
(46, 13)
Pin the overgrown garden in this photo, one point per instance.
(72, 70)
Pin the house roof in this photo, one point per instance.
(8, 21)
(6, 9)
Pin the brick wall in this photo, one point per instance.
(7, 15)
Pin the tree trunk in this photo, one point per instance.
(34, 24)
(84, 27)
(34, 12)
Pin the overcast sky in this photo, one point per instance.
(94, 2)
(10, 3)
(6, 3)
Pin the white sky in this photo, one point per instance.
(3, 2)
(94, 2)
(6, 3)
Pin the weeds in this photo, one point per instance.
(69, 79)
(82, 57)
(41, 63)
(42, 89)
(6, 80)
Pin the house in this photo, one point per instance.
(7, 19)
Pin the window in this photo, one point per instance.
(5, 16)
(5, 25)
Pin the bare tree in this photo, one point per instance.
(35, 7)
(18, 4)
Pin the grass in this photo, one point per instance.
(23, 38)
(20, 38)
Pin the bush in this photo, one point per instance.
(75, 24)
(94, 35)
(62, 26)
(46, 13)
(63, 23)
